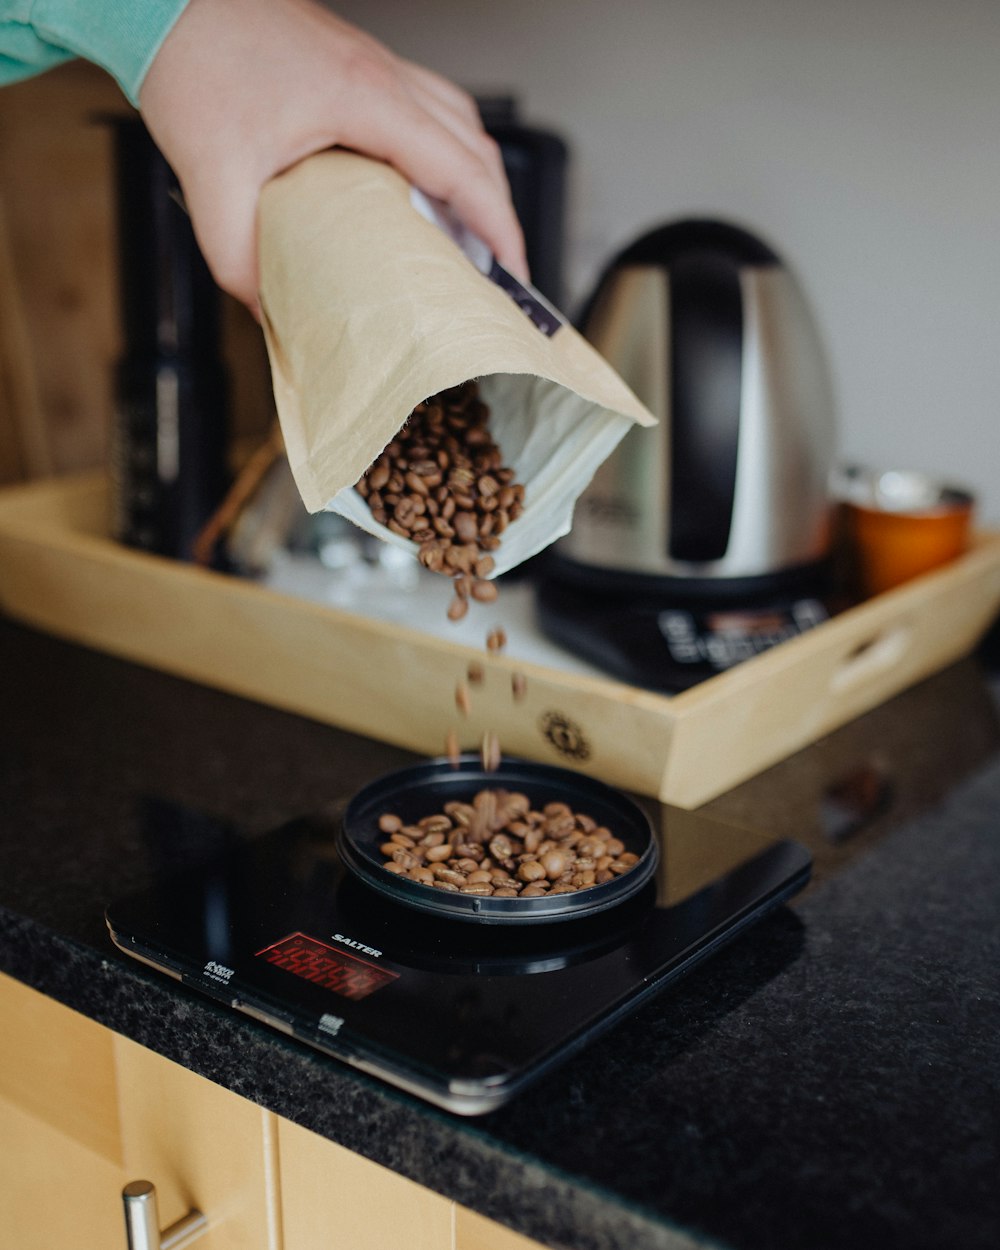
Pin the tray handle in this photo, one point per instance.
(873, 656)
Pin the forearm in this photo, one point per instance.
(122, 36)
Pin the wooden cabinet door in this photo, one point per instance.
(61, 1169)
(333, 1199)
(475, 1232)
(83, 1111)
(201, 1146)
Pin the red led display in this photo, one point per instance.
(324, 965)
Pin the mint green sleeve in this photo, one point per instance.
(122, 36)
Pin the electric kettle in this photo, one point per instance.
(725, 504)
(729, 493)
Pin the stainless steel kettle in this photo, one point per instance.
(711, 330)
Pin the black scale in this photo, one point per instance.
(462, 1014)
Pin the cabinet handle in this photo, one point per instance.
(142, 1221)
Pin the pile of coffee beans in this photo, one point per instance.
(442, 483)
(499, 845)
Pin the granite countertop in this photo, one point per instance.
(830, 1079)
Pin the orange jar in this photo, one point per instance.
(901, 524)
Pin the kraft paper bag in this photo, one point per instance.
(373, 299)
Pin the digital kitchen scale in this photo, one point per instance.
(460, 1014)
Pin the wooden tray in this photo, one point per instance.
(59, 571)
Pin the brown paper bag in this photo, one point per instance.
(370, 307)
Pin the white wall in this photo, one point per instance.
(861, 138)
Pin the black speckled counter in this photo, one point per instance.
(830, 1080)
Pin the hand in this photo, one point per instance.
(243, 89)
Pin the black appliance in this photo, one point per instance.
(170, 436)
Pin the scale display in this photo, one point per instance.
(461, 1015)
(325, 966)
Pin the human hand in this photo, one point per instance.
(243, 89)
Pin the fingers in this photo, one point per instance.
(450, 159)
(225, 223)
(457, 110)
(448, 93)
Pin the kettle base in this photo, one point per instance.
(668, 641)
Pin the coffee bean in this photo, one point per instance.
(451, 875)
(532, 840)
(496, 639)
(438, 823)
(484, 592)
(388, 822)
(530, 870)
(465, 526)
(416, 483)
(490, 752)
(462, 701)
(501, 846)
(555, 863)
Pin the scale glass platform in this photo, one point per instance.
(462, 1015)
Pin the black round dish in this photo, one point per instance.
(423, 789)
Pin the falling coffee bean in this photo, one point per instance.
(490, 752)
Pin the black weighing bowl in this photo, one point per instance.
(422, 790)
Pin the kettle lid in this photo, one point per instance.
(676, 239)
